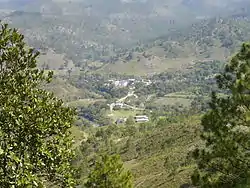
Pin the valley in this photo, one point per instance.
(121, 61)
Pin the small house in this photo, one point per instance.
(141, 119)
(120, 121)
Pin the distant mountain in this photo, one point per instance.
(14, 4)
(99, 29)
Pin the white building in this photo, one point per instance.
(141, 119)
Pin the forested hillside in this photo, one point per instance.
(212, 39)
(95, 30)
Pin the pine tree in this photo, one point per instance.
(109, 173)
(35, 144)
(224, 161)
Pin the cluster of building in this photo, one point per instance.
(127, 82)
(137, 119)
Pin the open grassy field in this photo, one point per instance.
(172, 101)
(147, 66)
(122, 114)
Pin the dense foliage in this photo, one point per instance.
(225, 160)
(35, 143)
(109, 173)
(198, 79)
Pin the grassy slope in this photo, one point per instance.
(177, 140)
(64, 90)
(146, 66)
(160, 158)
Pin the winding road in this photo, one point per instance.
(121, 101)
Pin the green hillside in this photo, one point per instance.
(155, 153)
(211, 39)
(88, 31)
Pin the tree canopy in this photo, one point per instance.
(224, 161)
(35, 143)
(109, 173)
